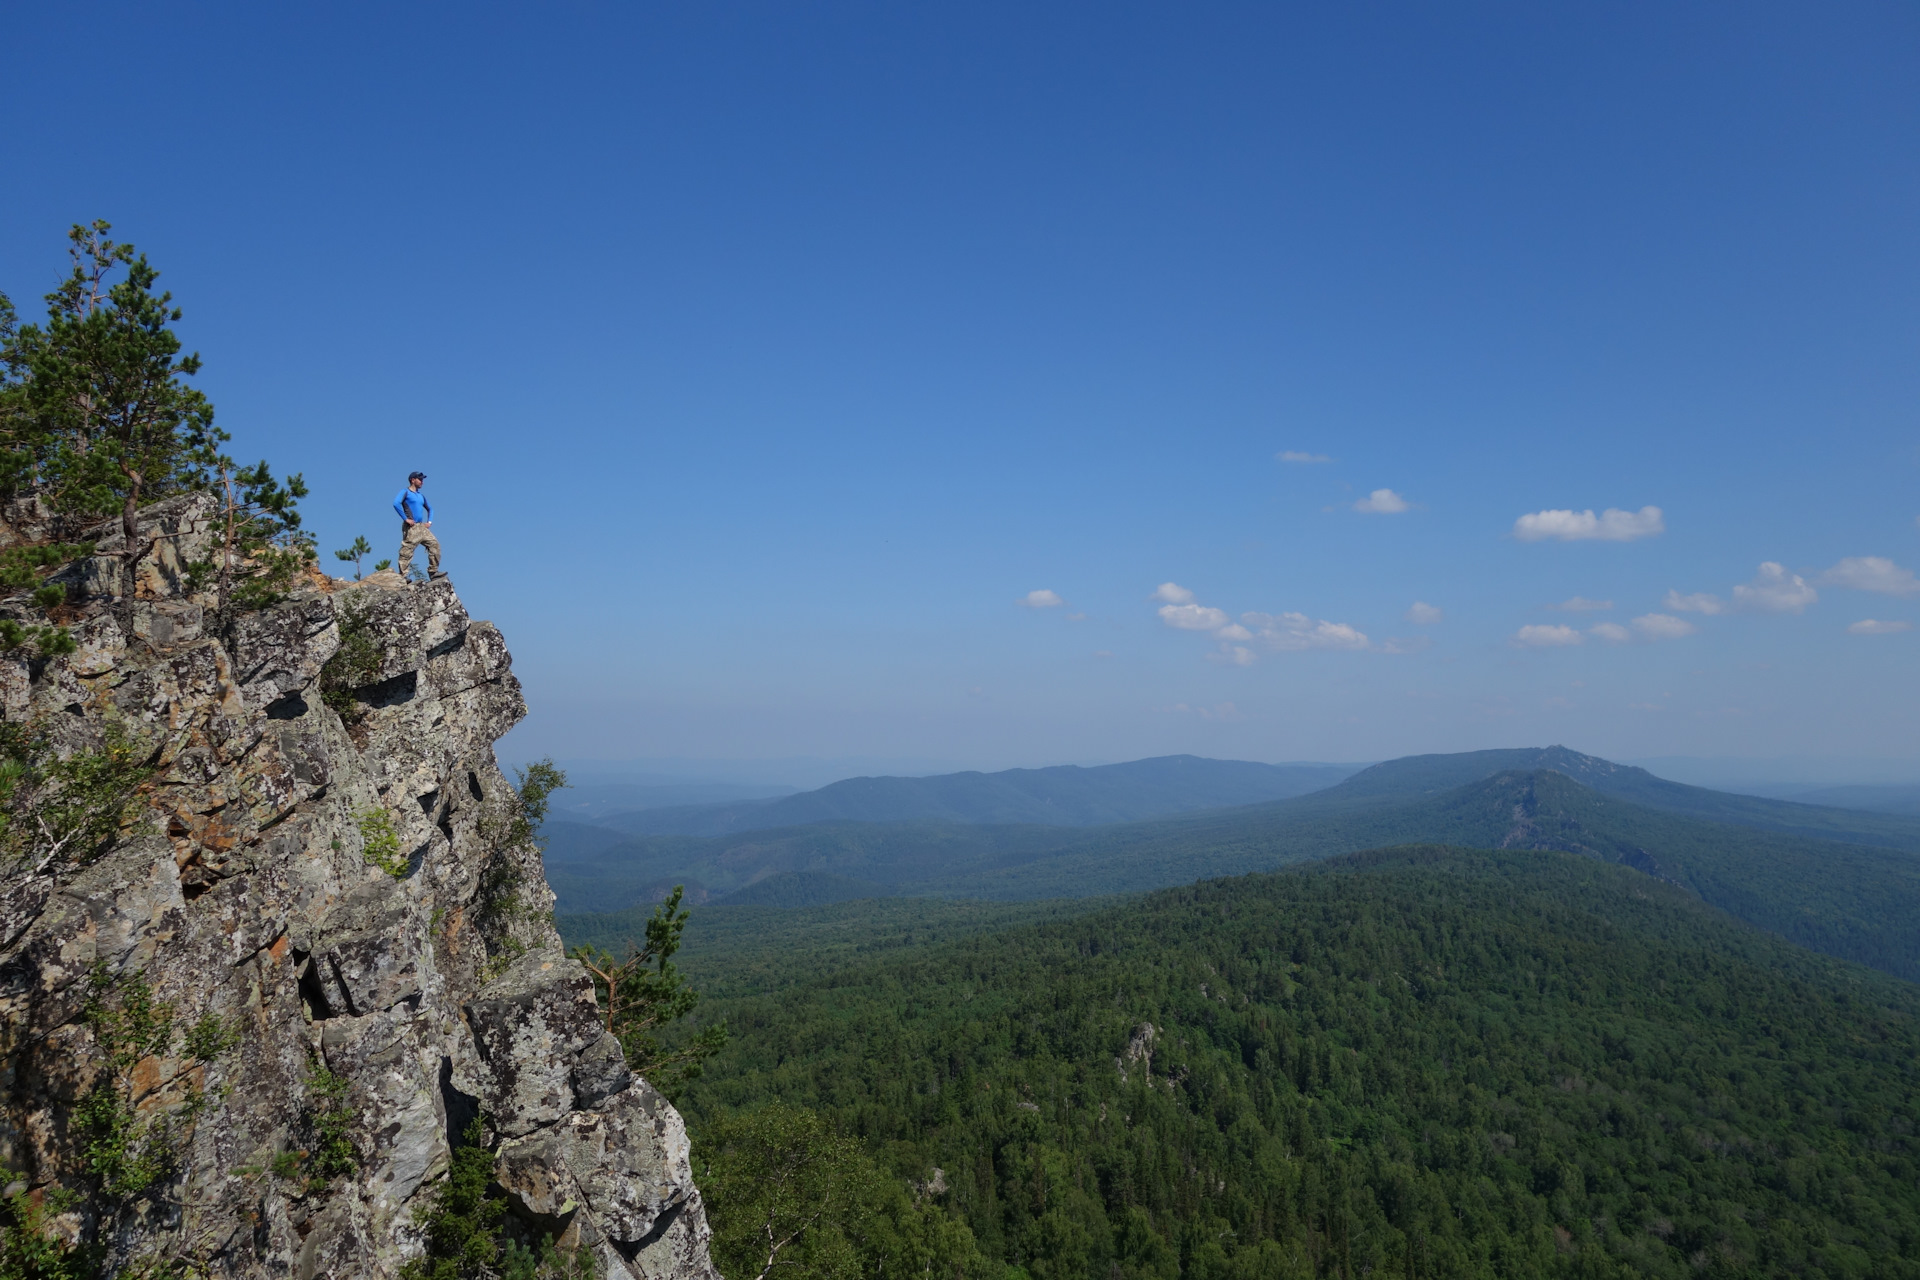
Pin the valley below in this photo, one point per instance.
(1507, 1013)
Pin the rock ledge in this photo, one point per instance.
(242, 892)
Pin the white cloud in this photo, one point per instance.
(1774, 590)
(1872, 573)
(1662, 626)
(1580, 604)
(1382, 502)
(1293, 632)
(1424, 614)
(1294, 455)
(1611, 525)
(1241, 642)
(1405, 644)
(1545, 637)
(1698, 602)
(1875, 627)
(1041, 599)
(1611, 632)
(1193, 617)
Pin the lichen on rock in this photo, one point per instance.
(239, 895)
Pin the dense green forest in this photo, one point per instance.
(753, 950)
(1424, 1062)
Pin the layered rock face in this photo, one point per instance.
(394, 1008)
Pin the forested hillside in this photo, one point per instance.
(1413, 776)
(1852, 901)
(1424, 1062)
(752, 950)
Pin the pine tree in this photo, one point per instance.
(98, 415)
(96, 419)
(353, 554)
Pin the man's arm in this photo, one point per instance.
(400, 505)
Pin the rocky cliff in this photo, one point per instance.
(235, 1043)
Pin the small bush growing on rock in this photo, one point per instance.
(380, 843)
(355, 664)
(643, 992)
(30, 1249)
(132, 1123)
(23, 566)
(212, 1036)
(499, 904)
(538, 781)
(128, 1151)
(125, 1154)
(329, 1116)
(56, 810)
(47, 642)
(469, 1236)
(354, 554)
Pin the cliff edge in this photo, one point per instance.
(244, 1034)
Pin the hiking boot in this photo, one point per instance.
(436, 575)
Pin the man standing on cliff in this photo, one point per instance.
(416, 527)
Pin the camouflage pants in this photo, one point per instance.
(417, 535)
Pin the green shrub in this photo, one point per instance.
(355, 664)
(72, 810)
(330, 1118)
(29, 1248)
(380, 843)
(469, 1236)
(24, 566)
(124, 1154)
(643, 993)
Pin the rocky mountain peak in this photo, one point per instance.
(249, 1019)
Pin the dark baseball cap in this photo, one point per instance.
(415, 475)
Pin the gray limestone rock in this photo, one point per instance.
(242, 897)
(614, 1169)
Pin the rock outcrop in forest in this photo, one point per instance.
(251, 1013)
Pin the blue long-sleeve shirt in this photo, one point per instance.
(413, 506)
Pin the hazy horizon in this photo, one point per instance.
(1718, 773)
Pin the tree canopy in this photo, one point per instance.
(97, 419)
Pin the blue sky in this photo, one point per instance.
(765, 357)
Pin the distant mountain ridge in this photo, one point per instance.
(1412, 776)
(592, 801)
(1060, 796)
(1852, 900)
